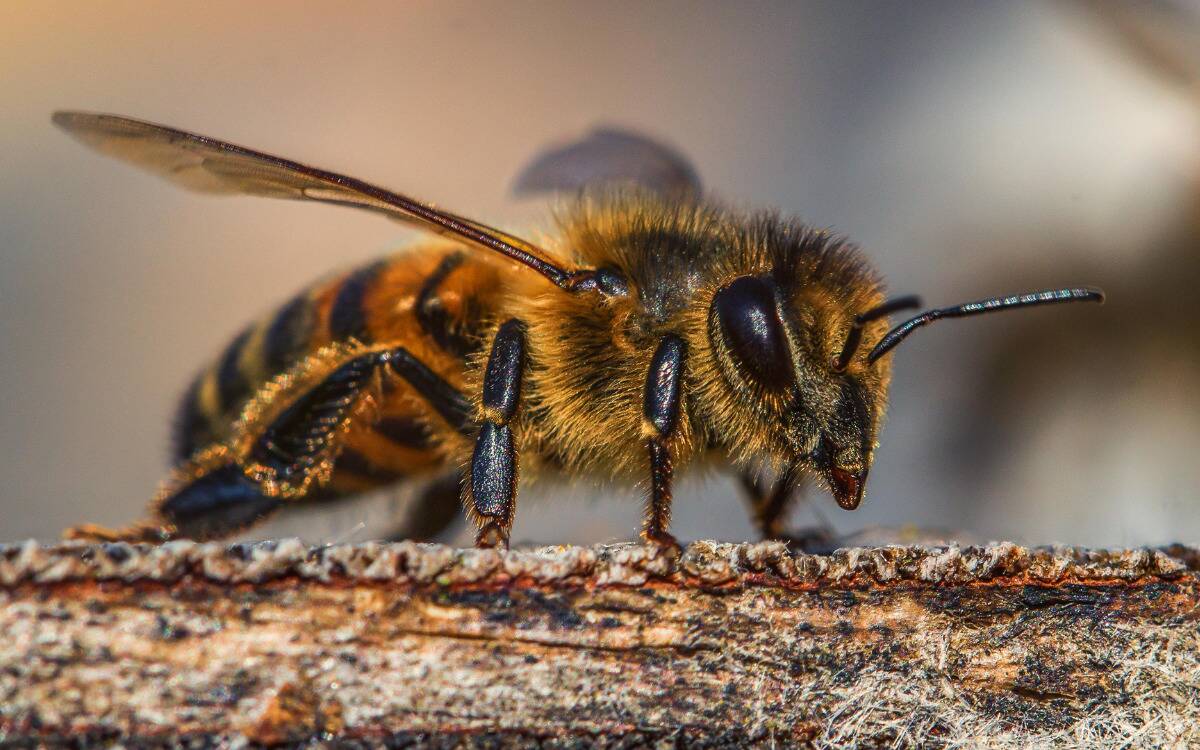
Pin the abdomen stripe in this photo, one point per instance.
(431, 314)
(348, 317)
(232, 387)
(288, 334)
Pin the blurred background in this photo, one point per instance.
(970, 148)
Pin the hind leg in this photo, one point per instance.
(218, 492)
(222, 491)
(217, 500)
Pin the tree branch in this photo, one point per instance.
(579, 647)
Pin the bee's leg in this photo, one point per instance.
(209, 497)
(292, 457)
(493, 486)
(217, 502)
(435, 509)
(214, 495)
(147, 531)
(660, 411)
(770, 502)
(298, 449)
(754, 488)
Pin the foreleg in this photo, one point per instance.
(769, 502)
(660, 411)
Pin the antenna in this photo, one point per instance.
(854, 337)
(992, 304)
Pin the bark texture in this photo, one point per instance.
(729, 646)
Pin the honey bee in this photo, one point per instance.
(656, 331)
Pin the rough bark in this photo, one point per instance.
(730, 645)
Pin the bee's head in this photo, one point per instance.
(789, 356)
(800, 354)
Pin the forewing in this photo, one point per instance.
(610, 155)
(208, 165)
(197, 162)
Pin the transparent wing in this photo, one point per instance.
(208, 165)
(610, 155)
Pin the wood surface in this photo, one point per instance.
(624, 646)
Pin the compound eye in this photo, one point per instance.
(748, 315)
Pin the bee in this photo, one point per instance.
(657, 330)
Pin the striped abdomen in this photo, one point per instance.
(431, 301)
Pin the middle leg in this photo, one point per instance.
(493, 485)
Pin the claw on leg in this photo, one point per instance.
(665, 540)
(140, 533)
(492, 535)
(815, 540)
(493, 483)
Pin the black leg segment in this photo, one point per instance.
(502, 379)
(494, 462)
(303, 436)
(494, 471)
(660, 400)
(658, 509)
(302, 440)
(217, 504)
(449, 402)
(660, 407)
